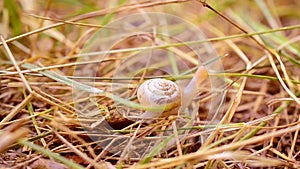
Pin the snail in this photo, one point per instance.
(159, 92)
(168, 95)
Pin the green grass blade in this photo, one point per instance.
(91, 89)
(63, 79)
(15, 20)
(50, 154)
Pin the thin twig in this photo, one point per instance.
(13, 60)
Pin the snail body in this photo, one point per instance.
(165, 93)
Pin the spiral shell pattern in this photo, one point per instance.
(160, 92)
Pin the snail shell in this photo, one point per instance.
(160, 92)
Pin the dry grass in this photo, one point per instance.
(50, 117)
